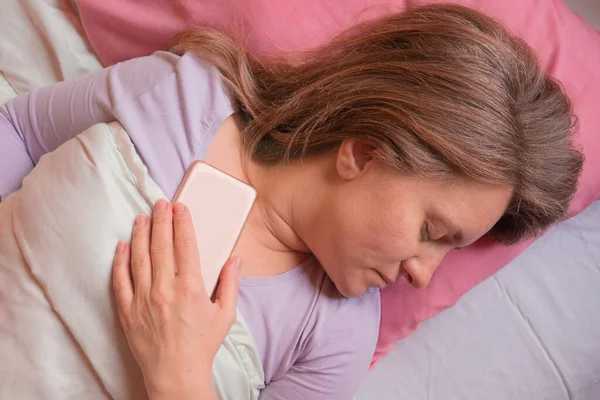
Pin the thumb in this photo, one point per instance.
(227, 292)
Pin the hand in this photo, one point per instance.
(172, 327)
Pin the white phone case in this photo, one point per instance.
(219, 205)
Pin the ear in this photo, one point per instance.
(352, 158)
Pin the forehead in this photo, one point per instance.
(461, 191)
(469, 205)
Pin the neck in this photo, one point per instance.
(282, 205)
(272, 239)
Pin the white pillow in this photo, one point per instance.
(58, 233)
(60, 336)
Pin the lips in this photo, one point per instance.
(384, 281)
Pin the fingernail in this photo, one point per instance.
(140, 220)
(178, 208)
(161, 205)
(120, 248)
(237, 264)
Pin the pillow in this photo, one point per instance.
(60, 230)
(568, 48)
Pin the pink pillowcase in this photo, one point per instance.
(567, 46)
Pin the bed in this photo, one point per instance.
(529, 332)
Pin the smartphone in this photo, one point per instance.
(219, 205)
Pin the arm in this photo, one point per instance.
(40, 121)
(15, 162)
(337, 357)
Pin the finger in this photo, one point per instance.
(141, 268)
(227, 292)
(187, 257)
(122, 284)
(161, 248)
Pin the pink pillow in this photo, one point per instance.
(567, 46)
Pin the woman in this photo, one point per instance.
(372, 156)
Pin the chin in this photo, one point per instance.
(348, 284)
(348, 290)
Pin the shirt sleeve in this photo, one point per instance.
(40, 121)
(337, 358)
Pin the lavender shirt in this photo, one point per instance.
(314, 344)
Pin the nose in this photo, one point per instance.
(420, 269)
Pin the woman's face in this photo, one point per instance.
(377, 226)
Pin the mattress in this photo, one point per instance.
(530, 332)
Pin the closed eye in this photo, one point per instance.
(426, 233)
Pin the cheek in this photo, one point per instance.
(350, 221)
(361, 231)
(371, 234)
(334, 236)
(393, 226)
(390, 243)
(341, 242)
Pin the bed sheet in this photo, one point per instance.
(588, 10)
(41, 42)
(6, 90)
(532, 331)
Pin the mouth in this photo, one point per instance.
(383, 281)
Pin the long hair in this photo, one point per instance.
(438, 91)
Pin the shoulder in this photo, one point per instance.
(140, 75)
(171, 106)
(159, 61)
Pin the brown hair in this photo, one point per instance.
(437, 91)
